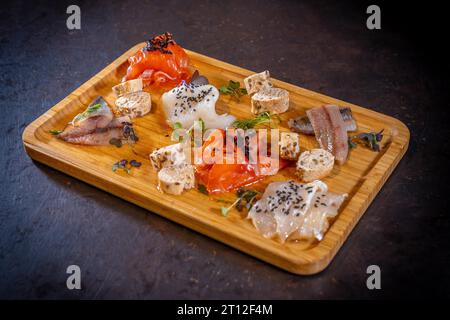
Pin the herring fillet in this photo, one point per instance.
(99, 118)
(97, 137)
(339, 132)
(303, 125)
(96, 127)
(322, 128)
(330, 130)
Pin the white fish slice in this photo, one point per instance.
(323, 207)
(189, 102)
(288, 209)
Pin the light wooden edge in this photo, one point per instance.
(308, 263)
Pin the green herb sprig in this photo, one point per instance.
(244, 195)
(55, 132)
(369, 139)
(202, 189)
(177, 125)
(86, 113)
(234, 90)
(259, 119)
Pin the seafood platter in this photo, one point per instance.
(274, 170)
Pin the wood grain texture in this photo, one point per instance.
(361, 177)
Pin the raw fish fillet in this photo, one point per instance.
(97, 137)
(322, 128)
(330, 130)
(340, 138)
(295, 210)
(303, 125)
(92, 118)
(95, 126)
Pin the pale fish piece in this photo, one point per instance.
(324, 207)
(295, 210)
(280, 210)
(189, 102)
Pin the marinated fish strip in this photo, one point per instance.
(330, 131)
(303, 125)
(95, 126)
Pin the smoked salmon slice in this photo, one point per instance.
(162, 63)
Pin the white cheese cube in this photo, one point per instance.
(258, 81)
(136, 104)
(129, 86)
(172, 155)
(176, 179)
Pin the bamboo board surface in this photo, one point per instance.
(361, 177)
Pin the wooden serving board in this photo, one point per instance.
(361, 177)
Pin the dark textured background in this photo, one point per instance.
(49, 220)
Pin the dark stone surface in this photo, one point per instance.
(49, 220)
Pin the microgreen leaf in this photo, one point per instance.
(261, 118)
(177, 125)
(233, 89)
(87, 112)
(125, 165)
(55, 132)
(135, 163)
(243, 194)
(224, 211)
(202, 189)
(370, 139)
